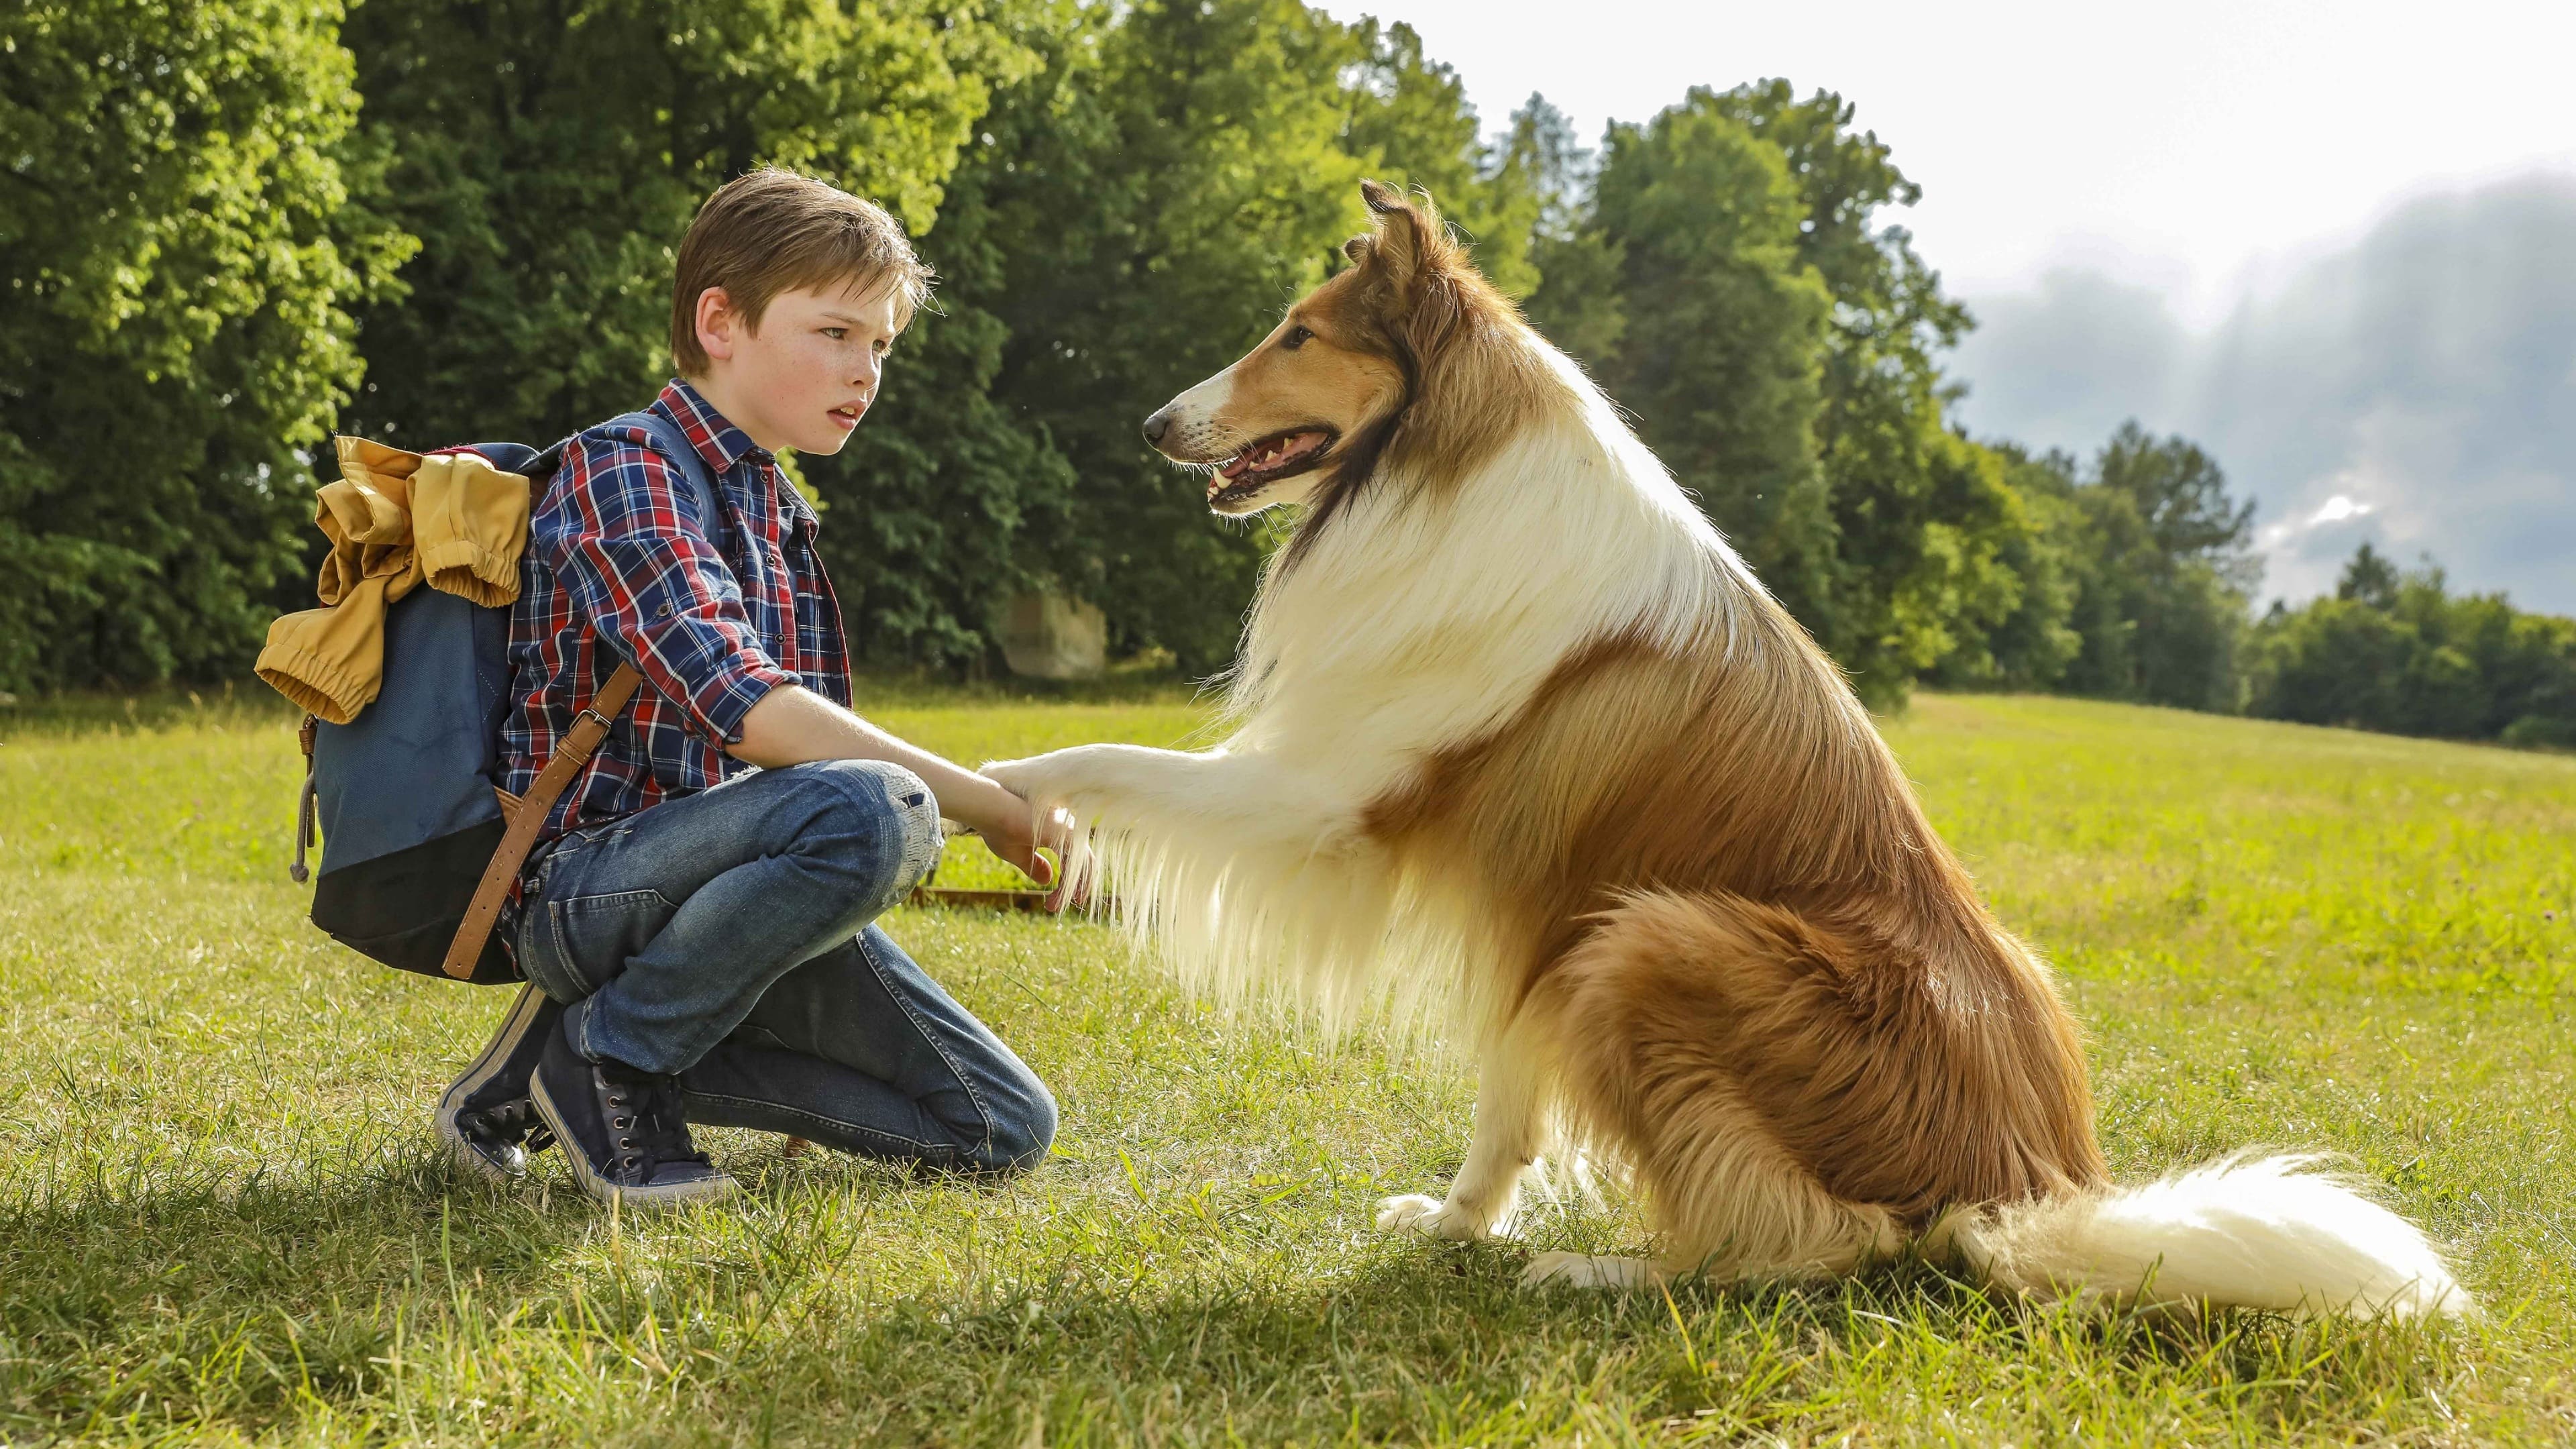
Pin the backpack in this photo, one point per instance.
(420, 845)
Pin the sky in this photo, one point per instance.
(2334, 243)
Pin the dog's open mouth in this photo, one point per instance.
(1283, 454)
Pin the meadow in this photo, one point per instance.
(223, 1217)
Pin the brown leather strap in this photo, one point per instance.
(588, 729)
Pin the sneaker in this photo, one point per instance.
(484, 1117)
(621, 1129)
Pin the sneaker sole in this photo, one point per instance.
(609, 1192)
(513, 1030)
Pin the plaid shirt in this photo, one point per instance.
(617, 554)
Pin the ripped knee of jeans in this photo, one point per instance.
(922, 842)
(893, 808)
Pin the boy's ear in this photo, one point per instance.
(716, 321)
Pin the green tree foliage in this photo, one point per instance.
(2029, 645)
(1176, 175)
(1780, 353)
(1577, 303)
(2163, 572)
(549, 154)
(1721, 334)
(1923, 520)
(2397, 651)
(182, 254)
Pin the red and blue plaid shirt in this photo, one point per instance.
(618, 555)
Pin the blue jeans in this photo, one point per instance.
(725, 937)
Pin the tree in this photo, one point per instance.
(2166, 574)
(1779, 351)
(1721, 335)
(1577, 303)
(1923, 520)
(550, 153)
(2030, 642)
(184, 233)
(2397, 651)
(1179, 174)
(2371, 578)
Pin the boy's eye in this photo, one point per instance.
(1295, 338)
(836, 333)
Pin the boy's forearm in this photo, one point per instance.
(792, 726)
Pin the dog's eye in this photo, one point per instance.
(1295, 339)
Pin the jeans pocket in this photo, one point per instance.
(592, 936)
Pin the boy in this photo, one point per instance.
(696, 931)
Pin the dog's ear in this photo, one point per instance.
(1413, 261)
(1407, 240)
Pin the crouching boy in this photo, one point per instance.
(697, 932)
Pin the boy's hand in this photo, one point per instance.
(1016, 836)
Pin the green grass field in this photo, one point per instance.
(223, 1217)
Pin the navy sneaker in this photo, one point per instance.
(622, 1130)
(485, 1117)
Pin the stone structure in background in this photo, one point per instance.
(1049, 636)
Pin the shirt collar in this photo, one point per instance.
(715, 437)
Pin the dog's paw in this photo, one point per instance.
(1413, 1213)
(1583, 1270)
(1081, 776)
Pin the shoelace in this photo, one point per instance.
(512, 1122)
(644, 1116)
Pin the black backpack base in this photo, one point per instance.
(402, 909)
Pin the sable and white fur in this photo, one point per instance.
(1517, 741)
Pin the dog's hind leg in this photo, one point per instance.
(1510, 1130)
(1680, 1021)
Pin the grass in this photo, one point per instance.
(222, 1217)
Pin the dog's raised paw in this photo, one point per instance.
(1414, 1213)
(1585, 1270)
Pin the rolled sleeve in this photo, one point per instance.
(625, 539)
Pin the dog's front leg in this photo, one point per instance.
(1211, 798)
(1486, 1192)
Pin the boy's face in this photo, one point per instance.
(803, 378)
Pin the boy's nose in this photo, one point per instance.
(1157, 425)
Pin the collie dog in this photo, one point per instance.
(1515, 737)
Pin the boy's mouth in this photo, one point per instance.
(848, 414)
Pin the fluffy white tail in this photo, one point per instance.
(2251, 1232)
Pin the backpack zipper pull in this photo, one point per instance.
(303, 806)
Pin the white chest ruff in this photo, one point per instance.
(1412, 629)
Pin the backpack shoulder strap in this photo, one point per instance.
(588, 728)
(676, 449)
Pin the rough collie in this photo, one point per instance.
(1515, 737)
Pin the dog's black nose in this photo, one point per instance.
(1157, 425)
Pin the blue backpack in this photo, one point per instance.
(420, 845)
